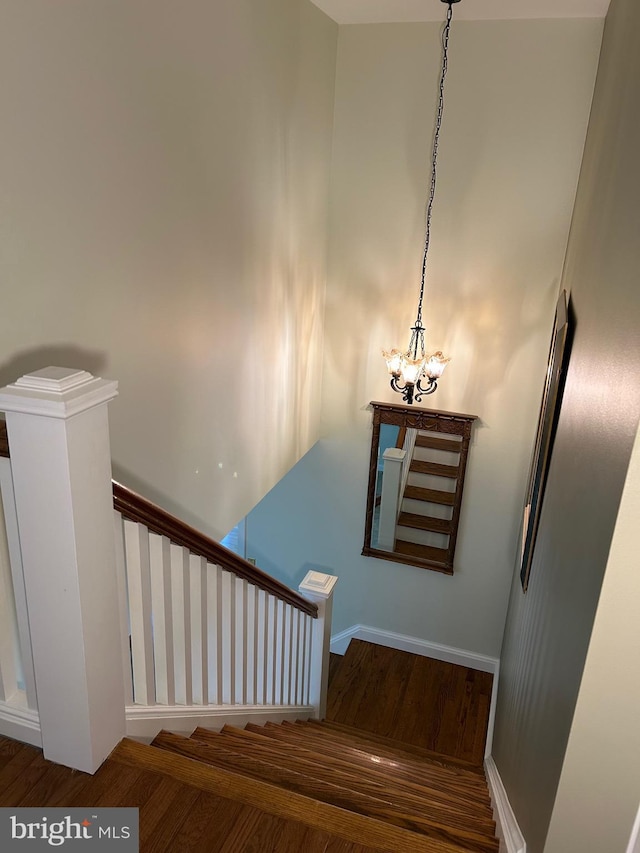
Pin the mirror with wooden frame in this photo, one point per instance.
(416, 478)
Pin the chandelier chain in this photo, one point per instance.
(434, 155)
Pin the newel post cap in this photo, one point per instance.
(318, 585)
(56, 392)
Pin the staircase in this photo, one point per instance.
(289, 787)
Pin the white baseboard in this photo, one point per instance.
(21, 724)
(507, 829)
(417, 646)
(144, 722)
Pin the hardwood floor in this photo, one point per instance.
(417, 700)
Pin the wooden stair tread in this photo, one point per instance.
(458, 792)
(434, 496)
(434, 468)
(423, 552)
(424, 522)
(421, 798)
(364, 754)
(448, 444)
(335, 794)
(322, 768)
(397, 747)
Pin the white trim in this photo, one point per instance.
(415, 645)
(507, 829)
(20, 723)
(412, 11)
(146, 721)
(56, 392)
(418, 646)
(317, 585)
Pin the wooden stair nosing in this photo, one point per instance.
(411, 751)
(350, 826)
(434, 468)
(425, 522)
(434, 496)
(424, 552)
(340, 772)
(336, 794)
(446, 444)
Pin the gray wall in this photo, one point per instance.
(548, 629)
(165, 178)
(511, 146)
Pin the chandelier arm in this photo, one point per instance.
(434, 151)
(423, 392)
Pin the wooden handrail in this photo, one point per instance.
(137, 508)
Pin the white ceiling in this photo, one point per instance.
(388, 11)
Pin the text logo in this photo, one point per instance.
(87, 829)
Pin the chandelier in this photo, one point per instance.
(414, 373)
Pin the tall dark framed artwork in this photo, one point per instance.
(547, 421)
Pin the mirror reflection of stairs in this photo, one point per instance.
(428, 519)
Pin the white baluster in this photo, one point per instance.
(227, 623)
(286, 654)
(250, 645)
(9, 647)
(136, 541)
(295, 653)
(279, 653)
(261, 647)
(162, 619)
(270, 649)
(17, 582)
(239, 657)
(214, 650)
(181, 623)
(123, 607)
(308, 659)
(199, 647)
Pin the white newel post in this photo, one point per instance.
(318, 587)
(390, 497)
(61, 463)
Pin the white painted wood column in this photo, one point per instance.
(61, 464)
(390, 497)
(318, 587)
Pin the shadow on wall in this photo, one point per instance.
(54, 355)
(137, 484)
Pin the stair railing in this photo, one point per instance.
(157, 626)
(210, 634)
